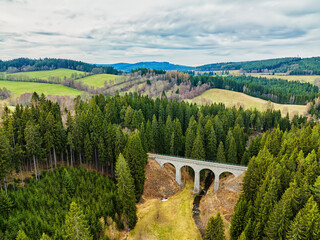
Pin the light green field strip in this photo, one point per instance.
(98, 80)
(301, 78)
(18, 88)
(230, 98)
(61, 73)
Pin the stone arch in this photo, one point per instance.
(211, 171)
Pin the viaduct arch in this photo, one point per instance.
(197, 166)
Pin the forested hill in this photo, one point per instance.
(293, 66)
(127, 67)
(27, 65)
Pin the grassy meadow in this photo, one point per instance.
(18, 88)
(98, 80)
(167, 220)
(231, 98)
(301, 78)
(61, 72)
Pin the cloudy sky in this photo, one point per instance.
(190, 32)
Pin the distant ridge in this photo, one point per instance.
(126, 67)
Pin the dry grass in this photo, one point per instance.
(230, 98)
(167, 220)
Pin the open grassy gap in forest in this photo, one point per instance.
(46, 74)
(98, 80)
(17, 88)
(231, 98)
(302, 78)
(171, 219)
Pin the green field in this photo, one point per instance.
(61, 73)
(230, 98)
(301, 78)
(98, 80)
(18, 88)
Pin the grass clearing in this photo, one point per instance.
(98, 80)
(231, 98)
(18, 88)
(61, 73)
(167, 220)
(302, 78)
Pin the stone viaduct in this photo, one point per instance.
(197, 166)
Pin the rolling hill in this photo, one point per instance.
(126, 67)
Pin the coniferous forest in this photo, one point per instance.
(111, 135)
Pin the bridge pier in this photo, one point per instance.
(178, 175)
(196, 185)
(216, 183)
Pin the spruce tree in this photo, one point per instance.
(22, 235)
(137, 160)
(126, 192)
(221, 157)
(215, 229)
(190, 136)
(76, 226)
(232, 152)
(306, 224)
(45, 237)
(197, 149)
(68, 183)
(211, 143)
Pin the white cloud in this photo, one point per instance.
(182, 31)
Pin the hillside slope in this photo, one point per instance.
(126, 67)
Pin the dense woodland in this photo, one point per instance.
(292, 66)
(276, 90)
(34, 138)
(27, 65)
(281, 188)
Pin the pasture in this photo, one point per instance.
(98, 80)
(301, 78)
(18, 88)
(45, 75)
(231, 98)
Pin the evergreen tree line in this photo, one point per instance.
(41, 209)
(113, 134)
(34, 136)
(295, 66)
(27, 64)
(281, 188)
(277, 90)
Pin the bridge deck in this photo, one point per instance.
(198, 162)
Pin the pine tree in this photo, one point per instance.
(75, 226)
(238, 221)
(215, 229)
(197, 149)
(33, 141)
(137, 160)
(210, 142)
(67, 182)
(221, 157)
(5, 204)
(149, 137)
(45, 237)
(22, 235)
(306, 224)
(190, 136)
(126, 192)
(88, 149)
(232, 152)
